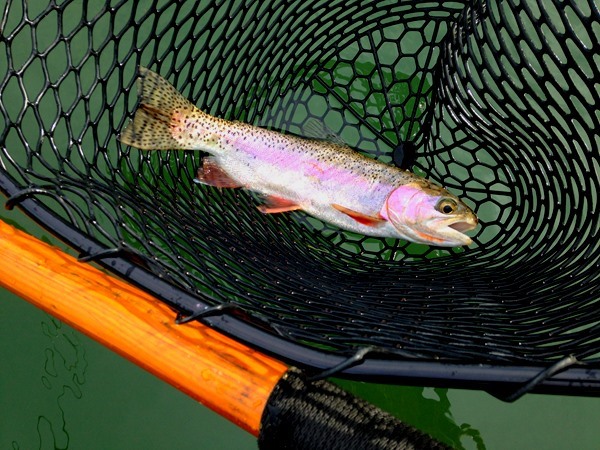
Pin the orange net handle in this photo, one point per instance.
(224, 375)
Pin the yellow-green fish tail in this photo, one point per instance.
(159, 105)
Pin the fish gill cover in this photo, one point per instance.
(497, 101)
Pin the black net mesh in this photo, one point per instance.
(498, 101)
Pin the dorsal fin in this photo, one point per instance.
(313, 128)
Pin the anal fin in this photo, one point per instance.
(212, 174)
(365, 219)
(274, 204)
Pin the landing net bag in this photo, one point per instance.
(496, 100)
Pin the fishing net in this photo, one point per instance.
(498, 101)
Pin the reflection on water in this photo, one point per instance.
(427, 409)
(63, 375)
(60, 390)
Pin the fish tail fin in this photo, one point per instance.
(161, 108)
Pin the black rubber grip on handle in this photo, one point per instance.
(318, 415)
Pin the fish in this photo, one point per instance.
(325, 179)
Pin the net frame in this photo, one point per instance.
(487, 286)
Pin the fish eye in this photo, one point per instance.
(447, 206)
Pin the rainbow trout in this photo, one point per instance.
(327, 180)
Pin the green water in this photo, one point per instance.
(61, 390)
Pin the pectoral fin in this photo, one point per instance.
(370, 221)
(275, 204)
(212, 174)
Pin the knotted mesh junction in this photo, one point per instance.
(498, 101)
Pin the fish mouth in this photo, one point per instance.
(462, 226)
(452, 230)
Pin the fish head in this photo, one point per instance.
(428, 214)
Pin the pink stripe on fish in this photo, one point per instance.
(283, 159)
